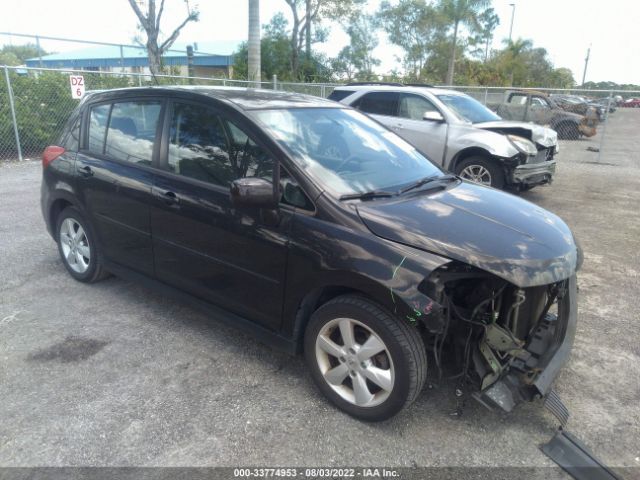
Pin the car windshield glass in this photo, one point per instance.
(344, 151)
(468, 109)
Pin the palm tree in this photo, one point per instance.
(457, 13)
(513, 52)
(254, 66)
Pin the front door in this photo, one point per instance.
(232, 257)
(430, 137)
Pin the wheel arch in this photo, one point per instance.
(313, 300)
(55, 209)
(471, 152)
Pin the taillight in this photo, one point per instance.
(50, 154)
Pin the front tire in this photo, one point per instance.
(78, 249)
(481, 170)
(367, 363)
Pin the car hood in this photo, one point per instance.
(483, 227)
(537, 133)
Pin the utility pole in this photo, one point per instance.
(586, 63)
(254, 42)
(513, 12)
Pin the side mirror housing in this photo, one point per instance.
(433, 116)
(253, 192)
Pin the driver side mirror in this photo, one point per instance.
(433, 116)
(253, 192)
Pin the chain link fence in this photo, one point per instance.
(36, 102)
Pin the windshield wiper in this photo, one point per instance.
(436, 180)
(367, 195)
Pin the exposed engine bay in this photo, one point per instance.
(500, 338)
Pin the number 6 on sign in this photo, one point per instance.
(77, 86)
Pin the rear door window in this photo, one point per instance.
(132, 131)
(380, 103)
(338, 95)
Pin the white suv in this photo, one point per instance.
(459, 133)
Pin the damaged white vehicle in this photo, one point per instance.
(458, 133)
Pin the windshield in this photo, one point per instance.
(468, 108)
(345, 151)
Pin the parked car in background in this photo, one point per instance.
(459, 133)
(538, 107)
(606, 102)
(631, 103)
(228, 199)
(580, 105)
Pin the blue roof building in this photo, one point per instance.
(210, 59)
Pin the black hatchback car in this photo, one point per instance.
(368, 264)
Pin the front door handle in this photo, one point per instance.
(168, 197)
(85, 171)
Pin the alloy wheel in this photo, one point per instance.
(355, 362)
(74, 243)
(476, 173)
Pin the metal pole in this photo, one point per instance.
(486, 94)
(39, 51)
(122, 58)
(190, 63)
(513, 12)
(586, 62)
(13, 112)
(604, 128)
(275, 81)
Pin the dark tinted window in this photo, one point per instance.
(204, 146)
(380, 103)
(132, 131)
(98, 119)
(414, 106)
(338, 95)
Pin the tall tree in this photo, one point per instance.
(307, 14)
(18, 54)
(276, 54)
(413, 25)
(356, 60)
(254, 41)
(150, 23)
(460, 13)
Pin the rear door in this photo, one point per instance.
(232, 257)
(115, 175)
(383, 106)
(430, 137)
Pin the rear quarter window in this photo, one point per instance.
(338, 95)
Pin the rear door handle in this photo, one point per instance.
(85, 171)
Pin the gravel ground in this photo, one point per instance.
(112, 374)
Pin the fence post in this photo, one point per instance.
(604, 128)
(323, 91)
(275, 81)
(13, 112)
(486, 94)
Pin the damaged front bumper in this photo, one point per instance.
(534, 173)
(529, 375)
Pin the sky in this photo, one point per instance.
(566, 28)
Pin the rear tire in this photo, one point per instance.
(78, 248)
(365, 362)
(481, 170)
